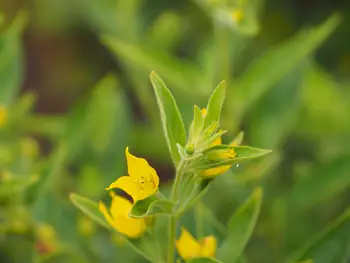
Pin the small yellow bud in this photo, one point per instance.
(3, 115)
(86, 226)
(29, 147)
(189, 149)
(237, 15)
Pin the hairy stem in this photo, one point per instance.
(173, 219)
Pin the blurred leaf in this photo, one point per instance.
(64, 256)
(173, 126)
(323, 182)
(238, 139)
(331, 245)
(276, 113)
(178, 73)
(241, 226)
(151, 206)
(203, 260)
(50, 176)
(93, 121)
(326, 112)
(89, 208)
(14, 186)
(214, 106)
(273, 64)
(103, 112)
(243, 153)
(11, 59)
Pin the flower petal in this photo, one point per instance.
(138, 168)
(187, 246)
(104, 211)
(130, 227)
(209, 246)
(127, 185)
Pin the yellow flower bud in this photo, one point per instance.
(3, 115)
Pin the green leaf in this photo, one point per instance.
(241, 226)
(273, 64)
(15, 186)
(213, 155)
(179, 73)
(322, 183)
(11, 59)
(276, 113)
(331, 245)
(203, 260)
(197, 124)
(151, 206)
(173, 127)
(65, 256)
(238, 139)
(214, 106)
(89, 208)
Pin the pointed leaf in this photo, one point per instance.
(179, 73)
(331, 245)
(215, 104)
(197, 124)
(173, 126)
(89, 208)
(241, 226)
(243, 153)
(151, 206)
(11, 57)
(273, 64)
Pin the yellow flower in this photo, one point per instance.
(237, 15)
(188, 247)
(221, 169)
(3, 115)
(119, 219)
(142, 181)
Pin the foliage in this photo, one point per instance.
(288, 206)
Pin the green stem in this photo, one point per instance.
(173, 219)
(199, 221)
(172, 238)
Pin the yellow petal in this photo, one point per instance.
(204, 112)
(130, 227)
(128, 185)
(187, 246)
(216, 142)
(209, 245)
(216, 171)
(104, 211)
(138, 168)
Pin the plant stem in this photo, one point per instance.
(172, 237)
(173, 218)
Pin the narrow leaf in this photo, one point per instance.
(243, 153)
(241, 226)
(331, 245)
(273, 64)
(179, 73)
(173, 126)
(197, 124)
(151, 206)
(215, 104)
(90, 208)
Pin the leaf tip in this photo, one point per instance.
(257, 193)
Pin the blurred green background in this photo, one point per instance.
(75, 91)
